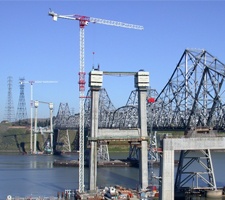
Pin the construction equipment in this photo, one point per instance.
(31, 107)
(48, 130)
(83, 21)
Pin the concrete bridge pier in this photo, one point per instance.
(95, 83)
(142, 83)
(178, 144)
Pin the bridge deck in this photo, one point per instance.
(121, 138)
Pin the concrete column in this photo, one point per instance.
(143, 168)
(51, 126)
(142, 83)
(36, 104)
(178, 144)
(95, 83)
(167, 188)
(93, 144)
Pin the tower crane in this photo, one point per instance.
(83, 21)
(31, 107)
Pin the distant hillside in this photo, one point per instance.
(14, 138)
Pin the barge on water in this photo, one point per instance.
(9, 197)
(111, 163)
(113, 193)
(118, 192)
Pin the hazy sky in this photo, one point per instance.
(35, 47)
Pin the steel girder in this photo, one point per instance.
(109, 116)
(151, 106)
(106, 109)
(61, 120)
(125, 117)
(73, 121)
(194, 94)
(202, 177)
(64, 119)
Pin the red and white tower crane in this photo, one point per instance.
(83, 21)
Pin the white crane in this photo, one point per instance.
(48, 130)
(31, 107)
(83, 21)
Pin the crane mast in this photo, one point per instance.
(83, 21)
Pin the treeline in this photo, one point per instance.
(26, 122)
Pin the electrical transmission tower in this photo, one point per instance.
(21, 109)
(9, 109)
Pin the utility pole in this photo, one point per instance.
(83, 21)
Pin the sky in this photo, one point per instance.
(36, 48)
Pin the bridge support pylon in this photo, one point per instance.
(204, 176)
(142, 83)
(95, 83)
(63, 141)
(195, 145)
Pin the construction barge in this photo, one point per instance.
(121, 193)
(107, 193)
(111, 163)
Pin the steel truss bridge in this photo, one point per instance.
(193, 97)
(192, 100)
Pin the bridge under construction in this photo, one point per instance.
(192, 99)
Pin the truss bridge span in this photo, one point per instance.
(193, 97)
(109, 117)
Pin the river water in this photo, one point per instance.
(35, 175)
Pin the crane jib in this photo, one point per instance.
(115, 23)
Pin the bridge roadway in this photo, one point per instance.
(170, 145)
(119, 134)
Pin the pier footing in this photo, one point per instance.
(214, 193)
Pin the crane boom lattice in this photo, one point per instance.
(83, 21)
(115, 23)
